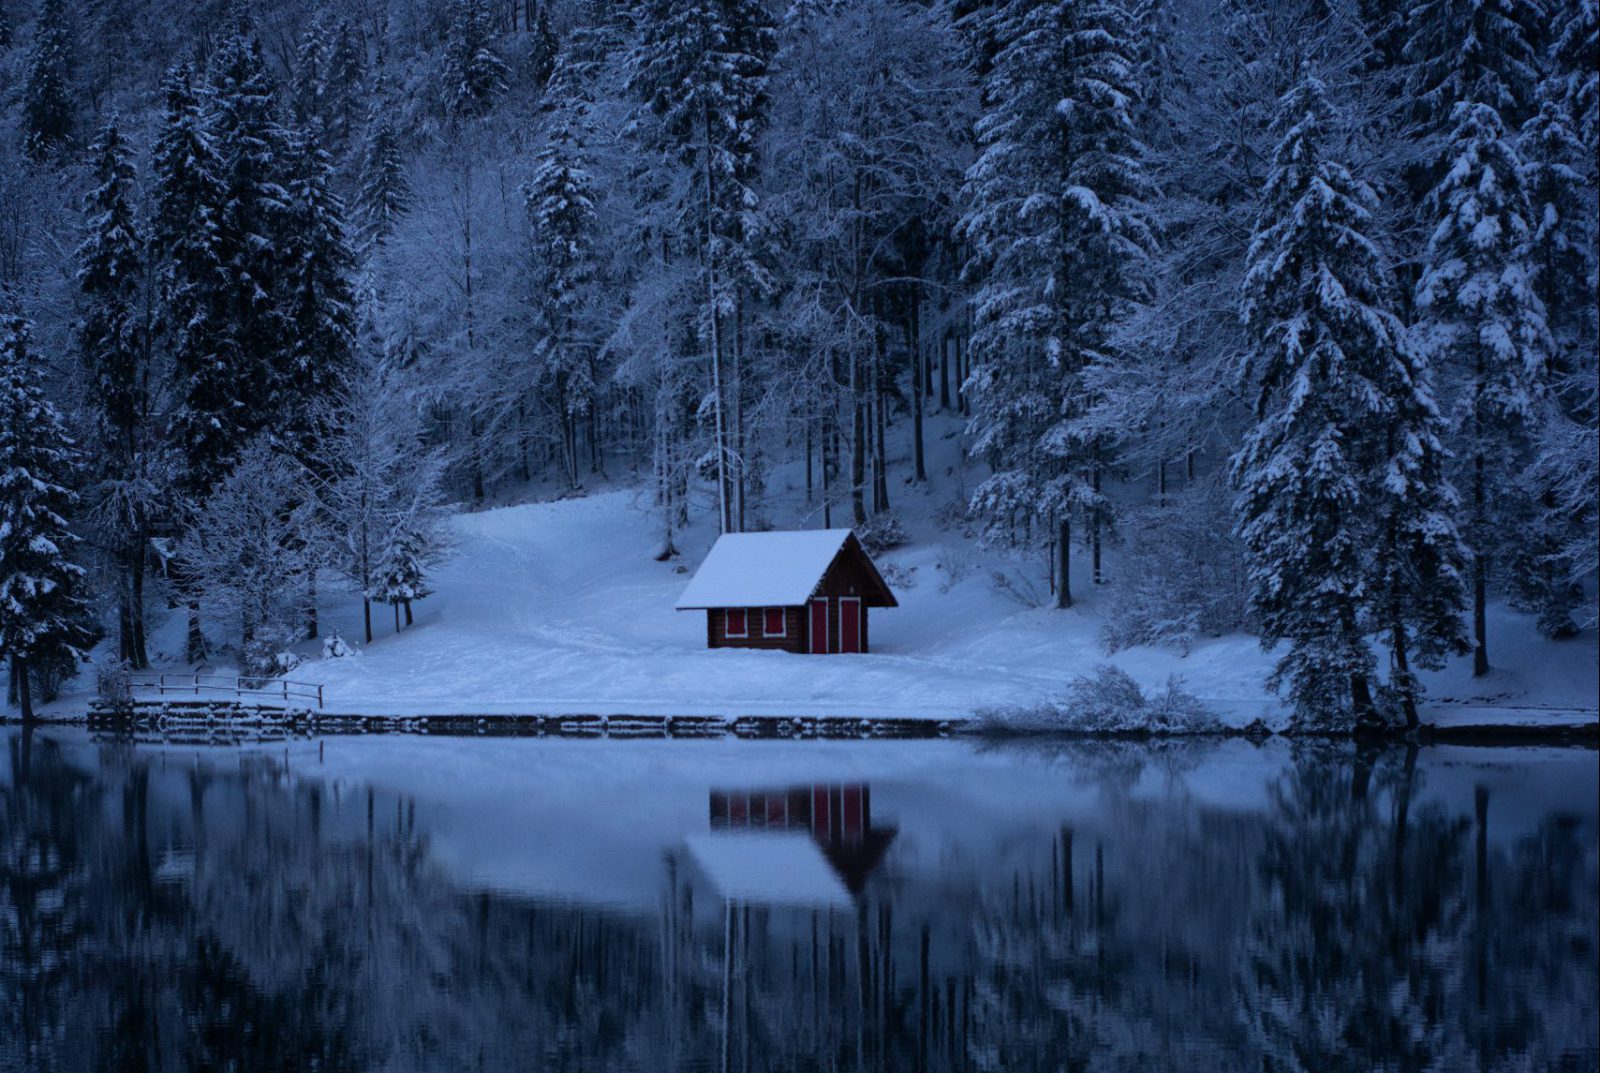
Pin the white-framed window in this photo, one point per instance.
(736, 622)
(774, 622)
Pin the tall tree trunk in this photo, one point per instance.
(1064, 562)
(914, 343)
(810, 479)
(311, 605)
(139, 653)
(880, 450)
(858, 446)
(19, 671)
(1096, 523)
(409, 620)
(725, 514)
(945, 342)
(1404, 686)
(827, 449)
(1480, 571)
(366, 615)
(195, 646)
(396, 606)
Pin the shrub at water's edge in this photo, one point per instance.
(1108, 701)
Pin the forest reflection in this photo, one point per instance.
(160, 913)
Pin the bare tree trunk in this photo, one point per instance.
(945, 343)
(1096, 520)
(1064, 562)
(914, 342)
(880, 469)
(311, 604)
(858, 446)
(1480, 571)
(19, 672)
(828, 451)
(195, 647)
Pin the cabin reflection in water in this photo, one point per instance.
(836, 817)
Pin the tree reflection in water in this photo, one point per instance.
(163, 914)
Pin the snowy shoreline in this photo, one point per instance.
(220, 721)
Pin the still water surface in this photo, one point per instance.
(410, 903)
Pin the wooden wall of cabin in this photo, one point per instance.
(794, 637)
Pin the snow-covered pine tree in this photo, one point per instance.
(49, 116)
(1480, 317)
(1577, 61)
(403, 575)
(383, 193)
(475, 76)
(320, 302)
(1472, 50)
(1418, 592)
(544, 50)
(1562, 252)
(308, 78)
(561, 216)
(114, 344)
(256, 156)
(45, 621)
(702, 67)
(1324, 356)
(194, 285)
(1057, 226)
(344, 89)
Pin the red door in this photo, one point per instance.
(819, 625)
(849, 624)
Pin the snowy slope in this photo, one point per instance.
(561, 607)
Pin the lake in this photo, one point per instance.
(439, 903)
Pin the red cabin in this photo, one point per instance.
(806, 590)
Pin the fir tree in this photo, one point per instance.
(344, 88)
(45, 620)
(475, 75)
(320, 314)
(1058, 229)
(544, 48)
(48, 115)
(254, 227)
(1342, 433)
(1473, 50)
(114, 345)
(561, 215)
(384, 193)
(309, 82)
(403, 575)
(1562, 253)
(702, 66)
(196, 294)
(1481, 316)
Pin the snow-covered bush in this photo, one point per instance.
(1181, 575)
(899, 577)
(1108, 702)
(336, 647)
(113, 684)
(955, 565)
(882, 533)
(267, 654)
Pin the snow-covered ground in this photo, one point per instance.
(561, 607)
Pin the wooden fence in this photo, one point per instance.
(193, 685)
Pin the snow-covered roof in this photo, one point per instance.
(777, 569)
(770, 867)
